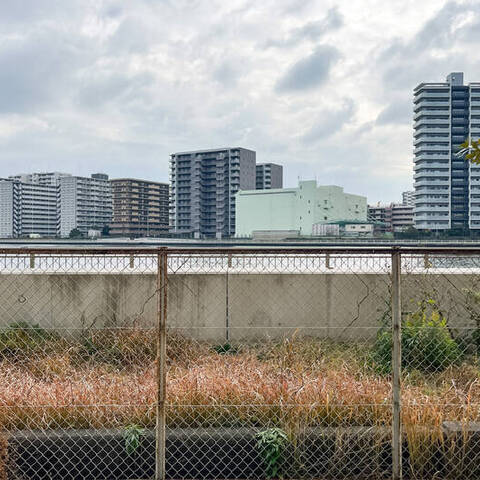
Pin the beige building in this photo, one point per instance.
(140, 208)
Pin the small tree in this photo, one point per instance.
(470, 149)
(106, 230)
(75, 233)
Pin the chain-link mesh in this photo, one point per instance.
(77, 356)
(440, 369)
(277, 365)
(271, 368)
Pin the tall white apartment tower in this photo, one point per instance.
(85, 203)
(447, 187)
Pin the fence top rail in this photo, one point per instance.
(254, 250)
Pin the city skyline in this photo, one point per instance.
(318, 87)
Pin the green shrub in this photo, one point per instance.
(272, 444)
(427, 344)
(21, 338)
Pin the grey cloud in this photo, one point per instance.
(408, 62)
(35, 70)
(109, 87)
(227, 74)
(313, 30)
(295, 7)
(330, 122)
(399, 111)
(24, 11)
(134, 35)
(309, 72)
(436, 32)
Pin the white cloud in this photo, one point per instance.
(323, 87)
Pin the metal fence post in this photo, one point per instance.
(160, 434)
(227, 300)
(396, 365)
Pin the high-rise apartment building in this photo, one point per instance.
(203, 188)
(28, 208)
(140, 208)
(85, 203)
(41, 178)
(447, 187)
(269, 175)
(408, 198)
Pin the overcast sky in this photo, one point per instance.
(322, 87)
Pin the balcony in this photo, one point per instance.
(422, 106)
(432, 175)
(426, 120)
(431, 218)
(435, 156)
(423, 164)
(432, 148)
(422, 139)
(425, 95)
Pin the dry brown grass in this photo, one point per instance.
(108, 380)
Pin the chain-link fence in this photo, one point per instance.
(239, 364)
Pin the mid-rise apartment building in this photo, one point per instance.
(447, 187)
(408, 198)
(28, 208)
(140, 208)
(203, 188)
(85, 203)
(396, 217)
(269, 175)
(401, 217)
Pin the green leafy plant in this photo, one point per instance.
(75, 233)
(225, 348)
(272, 444)
(470, 149)
(133, 438)
(427, 344)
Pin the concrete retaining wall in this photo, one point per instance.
(232, 453)
(338, 306)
